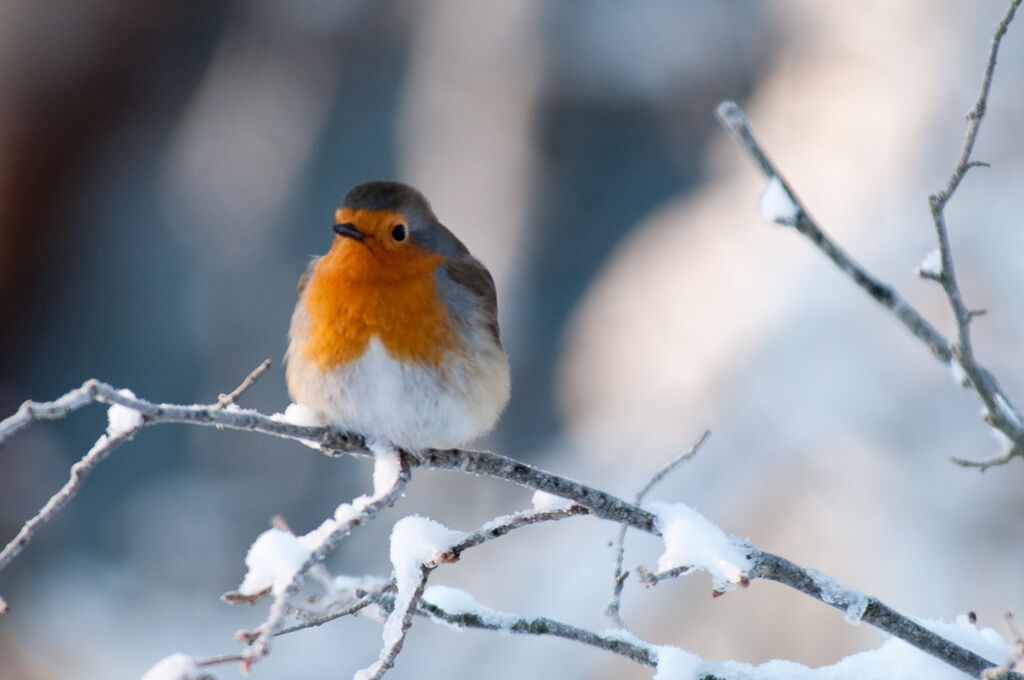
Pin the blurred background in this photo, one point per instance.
(167, 170)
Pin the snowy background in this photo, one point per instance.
(168, 171)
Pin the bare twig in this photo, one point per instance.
(232, 397)
(983, 465)
(733, 119)
(653, 578)
(623, 645)
(612, 609)
(999, 410)
(103, 447)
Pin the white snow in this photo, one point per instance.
(173, 667)
(546, 502)
(121, 419)
(415, 541)
(838, 594)
(273, 560)
(1008, 412)
(303, 416)
(931, 265)
(386, 467)
(777, 205)
(457, 601)
(959, 374)
(693, 541)
(676, 664)
(894, 660)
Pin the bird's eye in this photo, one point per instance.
(398, 233)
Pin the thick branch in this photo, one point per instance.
(332, 442)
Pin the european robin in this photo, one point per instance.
(395, 333)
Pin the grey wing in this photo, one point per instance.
(470, 291)
(304, 279)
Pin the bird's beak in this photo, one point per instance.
(348, 229)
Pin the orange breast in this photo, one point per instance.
(359, 291)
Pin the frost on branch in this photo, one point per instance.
(838, 594)
(296, 414)
(777, 205)
(931, 265)
(693, 541)
(544, 502)
(121, 419)
(894, 660)
(676, 664)
(415, 543)
(457, 602)
(273, 561)
(175, 667)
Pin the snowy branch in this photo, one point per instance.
(780, 204)
(391, 475)
(619, 579)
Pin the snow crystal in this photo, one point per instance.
(692, 541)
(122, 419)
(173, 667)
(931, 265)
(303, 416)
(547, 502)
(777, 205)
(676, 664)
(894, 660)
(457, 601)
(838, 594)
(273, 560)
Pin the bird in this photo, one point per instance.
(395, 331)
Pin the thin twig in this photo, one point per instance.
(496, 528)
(653, 578)
(736, 123)
(80, 471)
(983, 465)
(999, 410)
(232, 397)
(631, 648)
(612, 609)
(353, 607)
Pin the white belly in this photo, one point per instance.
(411, 406)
